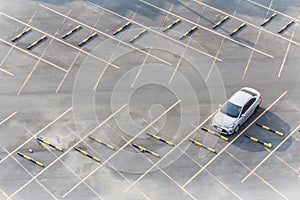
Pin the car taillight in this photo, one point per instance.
(260, 96)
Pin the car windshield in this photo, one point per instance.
(231, 109)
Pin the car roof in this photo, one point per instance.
(240, 98)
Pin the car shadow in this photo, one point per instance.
(55, 2)
(244, 7)
(270, 120)
(124, 7)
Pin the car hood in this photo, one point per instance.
(224, 120)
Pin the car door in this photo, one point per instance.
(247, 111)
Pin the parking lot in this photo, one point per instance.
(112, 99)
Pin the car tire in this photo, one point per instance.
(236, 129)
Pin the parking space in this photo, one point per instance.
(281, 173)
(8, 184)
(108, 99)
(235, 181)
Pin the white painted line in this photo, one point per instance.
(248, 23)
(219, 153)
(176, 146)
(62, 23)
(161, 170)
(65, 152)
(297, 139)
(284, 162)
(111, 166)
(105, 34)
(65, 76)
(35, 66)
(177, 184)
(267, 183)
(100, 77)
(30, 20)
(28, 77)
(7, 72)
(257, 38)
(263, 180)
(279, 145)
(178, 64)
(199, 165)
(286, 52)
(7, 118)
(30, 174)
(209, 30)
(214, 62)
(218, 52)
(154, 42)
(185, 48)
(283, 14)
(36, 134)
(121, 148)
(55, 38)
(213, 176)
(31, 54)
(249, 61)
(78, 56)
(69, 168)
(110, 59)
(159, 33)
(4, 194)
(296, 108)
(11, 48)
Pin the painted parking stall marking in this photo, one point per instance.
(270, 154)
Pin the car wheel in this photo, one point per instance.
(237, 128)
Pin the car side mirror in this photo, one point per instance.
(243, 115)
(220, 105)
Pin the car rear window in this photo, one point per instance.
(249, 92)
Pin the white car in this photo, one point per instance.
(236, 110)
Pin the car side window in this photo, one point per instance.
(248, 105)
